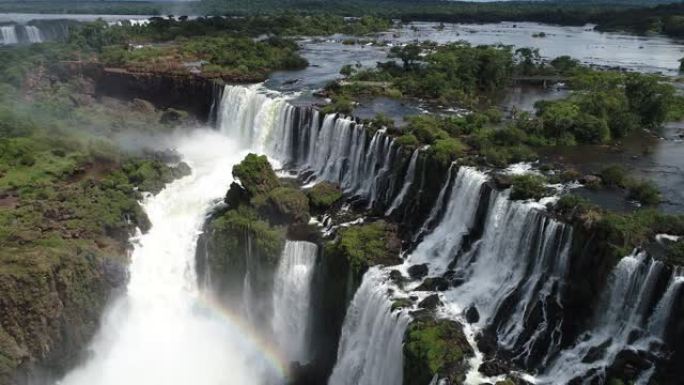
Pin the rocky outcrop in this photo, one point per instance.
(52, 310)
(435, 348)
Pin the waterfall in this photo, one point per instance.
(33, 34)
(291, 299)
(335, 148)
(9, 35)
(370, 351)
(410, 177)
(163, 330)
(439, 248)
(623, 321)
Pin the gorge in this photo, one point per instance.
(309, 246)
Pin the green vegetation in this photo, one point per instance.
(323, 195)
(528, 186)
(435, 347)
(642, 191)
(221, 56)
(366, 245)
(451, 73)
(621, 232)
(243, 228)
(256, 175)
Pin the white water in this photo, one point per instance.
(9, 35)
(33, 33)
(291, 299)
(370, 351)
(440, 247)
(410, 177)
(160, 331)
(622, 311)
(336, 150)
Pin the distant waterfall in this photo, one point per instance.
(291, 299)
(33, 34)
(370, 351)
(624, 321)
(9, 35)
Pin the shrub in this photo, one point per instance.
(445, 151)
(614, 175)
(408, 141)
(283, 205)
(323, 195)
(435, 348)
(645, 192)
(256, 175)
(367, 245)
(528, 186)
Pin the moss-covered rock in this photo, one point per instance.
(256, 175)
(283, 205)
(323, 195)
(366, 245)
(435, 347)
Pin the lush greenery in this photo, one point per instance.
(366, 245)
(645, 192)
(323, 195)
(528, 186)
(435, 347)
(622, 232)
(256, 175)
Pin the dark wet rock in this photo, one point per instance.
(596, 353)
(472, 315)
(487, 343)
(495, 367)
(455, 278)
(402, 303)
(502, 181)
(236, 196)
(397, 277)
(418, 271)
(629, 364)
(434, 284)
(430, 302)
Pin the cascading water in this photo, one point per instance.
(439, 248)
(370, 351)
(9, 35)
(291, 299)
(33, 34)
(336, 150)
(162, 331)
(410, 177)
(624, 322)
(509, 260)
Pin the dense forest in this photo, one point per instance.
(609, 15)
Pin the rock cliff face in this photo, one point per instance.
(52, 311)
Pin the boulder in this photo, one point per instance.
(430, 302)
(495, 367)
(472, 315)
(433, 284)
(418, 271)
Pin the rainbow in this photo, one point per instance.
(267, 350)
